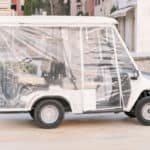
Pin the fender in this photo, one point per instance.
(73, 97)
(138, 86)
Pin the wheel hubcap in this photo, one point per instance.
(146, 111)
(49, 114)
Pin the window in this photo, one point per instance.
(100, 70)
(97, 2)
(78, 1)
(32, 58)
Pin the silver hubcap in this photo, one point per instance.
(146, 111)
(49, 114)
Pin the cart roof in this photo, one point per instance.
(57, 20)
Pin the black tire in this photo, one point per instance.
(38, 118)
(138, 111)
(130, 114)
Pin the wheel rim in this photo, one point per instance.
(49, 114)
(146, 111)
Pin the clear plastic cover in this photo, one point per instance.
(126, 67)
(100, 66)
(33, 58)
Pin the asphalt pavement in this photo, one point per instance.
(77, 132)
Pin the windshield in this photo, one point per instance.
(126, 66)
(107, 65)
(125, 61)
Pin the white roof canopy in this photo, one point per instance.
(57, 20)
(122, 12)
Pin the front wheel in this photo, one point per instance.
(142, 111)
(48, 114)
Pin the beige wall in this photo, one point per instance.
(129, 30)
(74, 10)
(5, 9)
(121, 27)
(84, 6)
(143, 26)
(143, 64)
(104, 9)
(126, 28)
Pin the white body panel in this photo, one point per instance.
(138, 86)
(73, 97)
(56, 21)
(89, 100)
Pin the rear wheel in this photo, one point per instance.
(48, 114)
(142, 111)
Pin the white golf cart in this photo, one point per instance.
(52, 65)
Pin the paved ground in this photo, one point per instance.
(87, 132)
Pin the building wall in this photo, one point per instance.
(143, 64)
(143, 26)
(73, 8)
(128, 23)
(84, 8)
(76, 6)
(90, 4)
(5, 7)
(135, 29)
(121, 27)
(103, 7)
(18, 4)
(122, 3)
(137, 32)
(129, 30)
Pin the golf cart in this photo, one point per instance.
(52, 65)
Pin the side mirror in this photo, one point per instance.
(135, 75)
